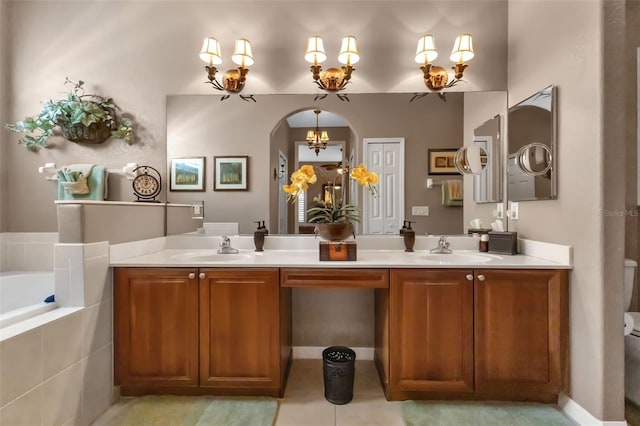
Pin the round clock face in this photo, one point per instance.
(146, 186)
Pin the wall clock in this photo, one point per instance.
(147, 183)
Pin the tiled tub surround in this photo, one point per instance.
(57, 368)
(27, 251)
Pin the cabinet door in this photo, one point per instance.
(239, 328)
(156, 327)
(431, 331)
(521, 320)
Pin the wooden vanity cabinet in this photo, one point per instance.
(155, 328)
(431, 333)
(239, 323)
(201, 331)
(478, 334)
(521, 333)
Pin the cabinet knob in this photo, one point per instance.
(202, 275)
(469, 277)
(192, 275)
(481, 277)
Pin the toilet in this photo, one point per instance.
(632, 340)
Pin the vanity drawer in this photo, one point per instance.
(331, 278)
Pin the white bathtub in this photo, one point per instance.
(22, 295)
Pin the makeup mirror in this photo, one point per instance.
(531, 163)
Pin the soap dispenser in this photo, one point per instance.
(258, 236)
(404, 226)
(409, 236)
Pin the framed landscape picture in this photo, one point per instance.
(187, 174)
(441, 162)
(230, 173)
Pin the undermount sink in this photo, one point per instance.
(459, 258)
(211, 257)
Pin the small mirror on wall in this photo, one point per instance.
(482, 160)
(531, 163)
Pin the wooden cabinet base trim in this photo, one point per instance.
(197, 390)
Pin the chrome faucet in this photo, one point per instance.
(443, 246)
(225, 246)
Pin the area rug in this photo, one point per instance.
(168, 410)
(441, 413)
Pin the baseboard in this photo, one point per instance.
(315, 352)
(581, 416)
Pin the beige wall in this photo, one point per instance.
(589, 164)
(4, 105)
(632, 78)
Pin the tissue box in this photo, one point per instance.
(503, 242)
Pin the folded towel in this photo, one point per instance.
(94, 177)
(452, 193)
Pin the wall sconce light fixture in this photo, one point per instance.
(317, 139)
(233, 80)
(332, 80)
(437, 78)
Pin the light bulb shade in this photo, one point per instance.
(315, 50)
(242, 53)
(349, 51)
(210, 52)
(324, 137)
(311, 135)
(462, 49)
(426, 51)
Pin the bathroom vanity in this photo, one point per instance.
(494, 329)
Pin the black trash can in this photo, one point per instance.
(338, 367)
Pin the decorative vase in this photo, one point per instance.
(335, 231)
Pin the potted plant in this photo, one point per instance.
(81, 117)
(333, 218)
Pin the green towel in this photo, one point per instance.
(447, 199)
(97, 182)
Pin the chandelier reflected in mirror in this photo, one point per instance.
(317, 139)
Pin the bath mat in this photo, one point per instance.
(169, 410)
(449, 413)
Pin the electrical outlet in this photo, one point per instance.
(513, 211)
(420, 210)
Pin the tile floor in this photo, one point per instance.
(304, 403)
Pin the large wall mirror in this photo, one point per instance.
(272, 134)
(531, 163)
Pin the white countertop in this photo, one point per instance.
(310, 259)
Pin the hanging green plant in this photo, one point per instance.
(83, 118)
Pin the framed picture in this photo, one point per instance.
(230, 173)
(441, 162)
(187, 174)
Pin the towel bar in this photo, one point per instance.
(127, 170)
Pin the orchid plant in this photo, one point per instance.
(330, 210)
